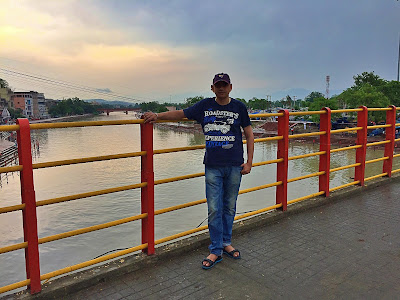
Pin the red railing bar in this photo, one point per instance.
(390, 134)
(362, 121)
(325, 145)
(32, 265)
(147, 192)
(283, 153)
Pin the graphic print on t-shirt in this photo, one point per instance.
(217, 125)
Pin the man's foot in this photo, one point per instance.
(210, 261)
(232, 252)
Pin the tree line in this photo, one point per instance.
(368, 89)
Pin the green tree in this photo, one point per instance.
(313, 95)
(391, 90)
(243, 101)
(3, 83)
(15, 113)
(153, 106)
(262, 104)
(319, 103)
(368, 78)
(192, 101)
(368, 96)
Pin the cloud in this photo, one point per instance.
(106, 90)
(163, 48)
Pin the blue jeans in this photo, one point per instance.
(222, 187)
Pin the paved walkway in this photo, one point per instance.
(347, 249)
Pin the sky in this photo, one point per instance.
(170, 50)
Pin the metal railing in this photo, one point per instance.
(147, 184)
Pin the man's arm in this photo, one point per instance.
(248, 132)
(168, 115)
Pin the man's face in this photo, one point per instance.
(221, 89)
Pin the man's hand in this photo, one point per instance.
(246, 168)
(150, 117)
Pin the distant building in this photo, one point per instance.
(171, 108)
(32, 104)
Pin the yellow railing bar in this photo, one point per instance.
(345, 167)
(181, 234)
(86, 160)
(397, 140)
(345, 148)
(170, 150)
(256, 212)
(376, 160)
(379, 126)
(7, 209)
(336, 111)
(376, 176)
(261, 187)
(344, 185)
(377, 143)
(10, 169)
(90, 194)
(395, 171)
(271, 138)
(180, 206)
(14, 286)
(267, 162)
(306, 176)
(305, 197)
(309, 112)
(178, 178)
(346, 129)
(379, 109)
(396, 155)
(9, 127)
(397, 124)
(83, 124)
(294, 136)
(91, 228)
(13, 247)
(92, 262)
(307, 155)
(253, 116)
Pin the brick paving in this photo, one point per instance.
(346, 249)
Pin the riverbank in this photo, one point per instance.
(60, 119)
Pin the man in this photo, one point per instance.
(222, 119)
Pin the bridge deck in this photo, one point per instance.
(347, 249)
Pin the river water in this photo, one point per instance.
(67, 143)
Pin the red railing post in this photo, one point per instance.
(29, 213)
(283, 152)
(325, 145)
(147, 192)
(361, 153)
(390, 134)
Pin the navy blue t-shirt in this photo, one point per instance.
(221, 126)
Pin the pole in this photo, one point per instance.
(398, 63)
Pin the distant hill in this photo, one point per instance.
(114, 103)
